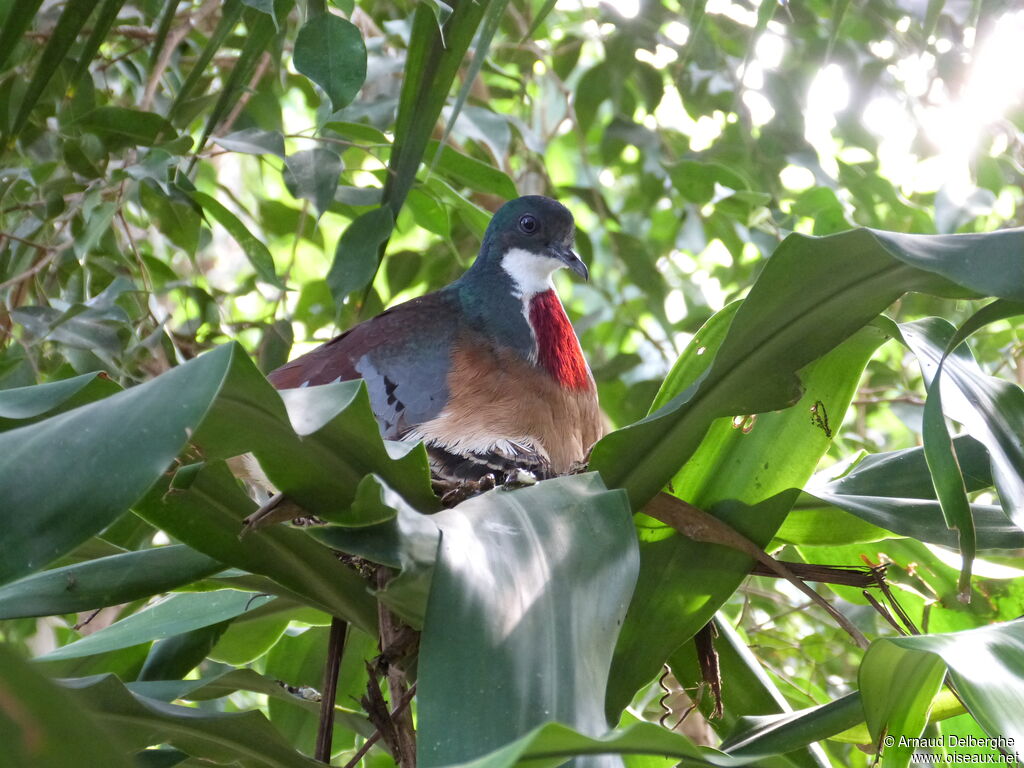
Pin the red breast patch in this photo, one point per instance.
(558, 349)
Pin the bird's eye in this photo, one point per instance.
(528, 224)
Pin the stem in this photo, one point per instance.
(329, 691)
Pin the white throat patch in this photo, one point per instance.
(531, 273)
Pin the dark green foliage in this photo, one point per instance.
(787, 321)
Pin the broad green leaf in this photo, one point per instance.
(748, 694)
(121, 127)
(174, 657)
(299, 660)
(105, 581)
(254, 141)
(261, 30)
(220, 737)
(176, 614)
(230, 13)
(176, 218)
(522, 583)
(552, 743)
(100, 29)
(207, 514)
(767, 736)
(355, 258)
(329, 50)
(18, 18)
(810, 523)
(243, 643)
(131, 430)
(991, 410)
(257, 253)
(223, 405)
(472, 173)
(24, 405)
(312, 174)
(230, 680)
(812, 294)
(38, 721)
(406, 541)
(491, 21)
(894, 491)
(74, 16)
(433, 60)
(737, 474)
(900, 675)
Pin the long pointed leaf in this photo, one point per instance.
(72, 19)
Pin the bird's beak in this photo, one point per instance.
(574, 262)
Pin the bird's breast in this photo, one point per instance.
(558, 349)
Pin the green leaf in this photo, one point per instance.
(521, 585)
(991, 410)
(208, 515)
(230, 13)
(254, 141)
(261, 31)
(219, 737)
(355, 258)
(299, 661)
(174, 657)
(894, 491)
(25, 405)
(121, 127)
(19, 17)
(177, 614)
(178, 219)
(432, 62)
(72, 19)
(473, 173)
(900, 675)
(812, 294)
(330, 51)
(764, 737)
(38, 721)
(222, 404)
(749, 696)
(100, 29)
(738, 475)
(257, 253)
(105, 581)
(552, 743)
(491, 21)
(312, 174)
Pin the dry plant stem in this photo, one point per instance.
(698, 525)
(375, 737)
(391, 634)
(329, 690)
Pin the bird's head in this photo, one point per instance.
(529, 238)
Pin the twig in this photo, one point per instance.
(700, 526)
(35, 269)
(394, 642)
(261, 69)
(335, 649)
(375, 736)
(171, 42)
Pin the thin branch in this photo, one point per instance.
(261, 69)
(700, 526)
(375, 736)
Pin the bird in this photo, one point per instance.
(487, 371)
